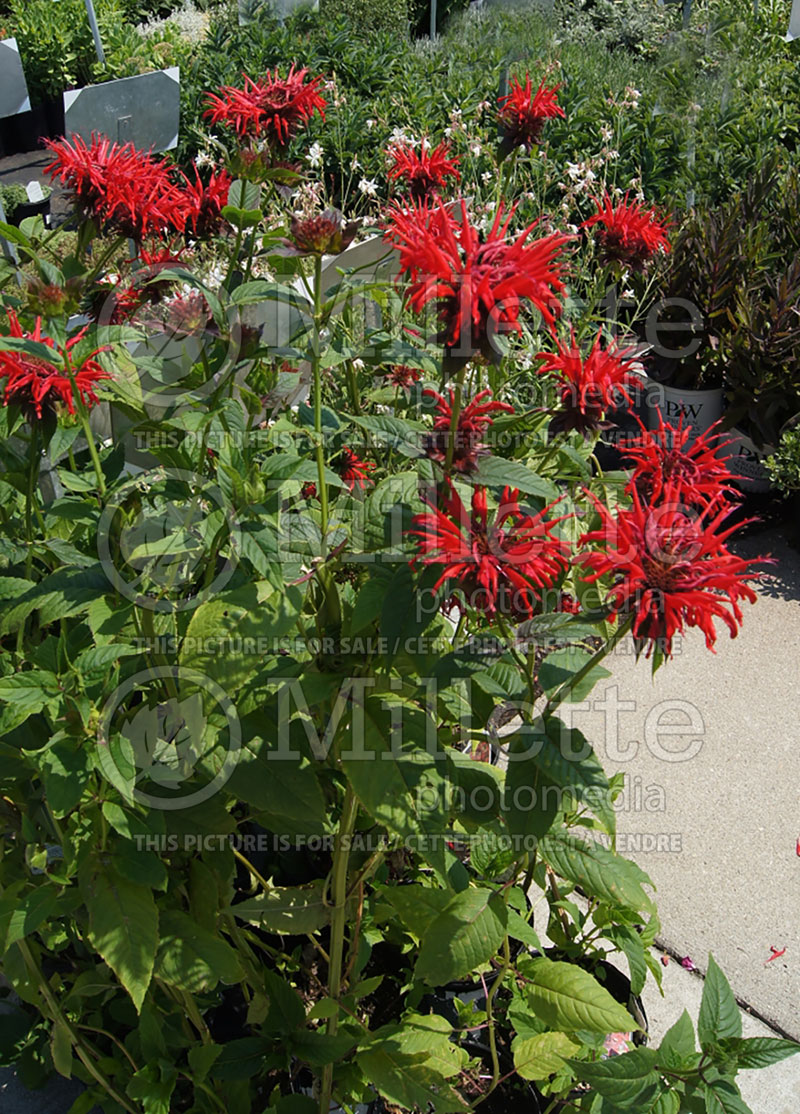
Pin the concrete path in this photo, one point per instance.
(711, 812)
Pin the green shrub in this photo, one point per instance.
(784, 465)
(367, 16)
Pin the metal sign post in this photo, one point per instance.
(98, 45)
(433, 19)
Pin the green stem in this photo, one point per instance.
(560, 695)
(456, 412)
(80, 1046)
(30, 496)
(316, 373)
(84, 420)
(341, 858)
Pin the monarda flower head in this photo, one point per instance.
(274, 108)
(589, 386)
(523, 112)
(197, 206)
(38, 385)
(670, 567)
(674, 455)
(473, 421)
(495, 564)
(352, 469)
(627, 233)
(325, 234)
(477, 286)
(122, 188)
(424, 174)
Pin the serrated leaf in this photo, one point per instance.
(542, 1055)
(722, 1097)
(23, 914)
(123, 928)
(598, 871)
(758, 1052)
(719, 1015)
(192, 958)
(493, 471)
(566, 997)
(561, 666)
(630, 1080)
(294, 910)
(465, 935)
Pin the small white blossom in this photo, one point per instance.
(475, 149)
(574, 170)
(368, 186)
(606, 131)
(370, 125)
(314, 155)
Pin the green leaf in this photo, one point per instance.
(20, 916)
(629, 941)
(153, 1087)
(286, 1009)
(61, 1049)
(293, 910)
(28, 693)
(757, 1052)
(241, 1059)
(229, 636)
(630, 1080)
(542, 1055)
(404, 788)
(678, 1043)
(723, 1097)
(465, 935)
(418, 906)
(562, 665)
(566, 997)
(192, 958)
(123, 928)
(287, 794)
(64, 768)
(598, 871)
(494, 471)
(410, 1064)
(719, 1015)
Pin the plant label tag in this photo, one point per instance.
(34, 192)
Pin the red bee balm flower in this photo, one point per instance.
(403, 376)
(671, 567)
(274, 108)
(523, 112)
(197, 208)
(669, 455)
(627, 233)
(473, 421)
(496, 566)
(352, 469)
(426, 173)
(589, 386)
(115, 184)
(37, 385)
(477, 286)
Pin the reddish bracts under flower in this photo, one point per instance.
(115, 184)
(425, 174)
(477, 286)
(669, 455)
(352, 469)
(38, 385)
(275, 107)
(627, 232)
(671, 568)
(197, 207)
(523, 112)
(590, 386)
(325, 234)
(473, 421)
(403, 376)
(497, 565)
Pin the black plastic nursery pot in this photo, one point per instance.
(514, 1096)
(30, 209)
